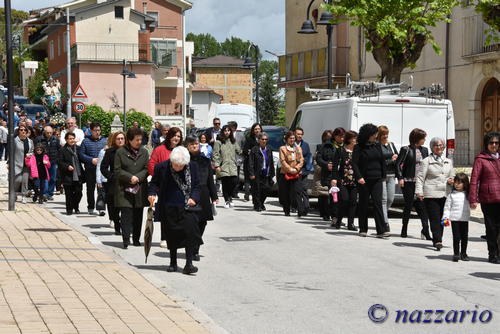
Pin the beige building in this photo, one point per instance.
(226, 77)
(469, 70)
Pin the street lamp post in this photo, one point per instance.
(125, 74)
(308, 28)
(10, 103)
(248, 64)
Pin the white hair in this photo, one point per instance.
(180, 156)
(436, 140)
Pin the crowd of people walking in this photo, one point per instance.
(352, 171)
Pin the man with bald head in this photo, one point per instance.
(52, 147)
(71, 127)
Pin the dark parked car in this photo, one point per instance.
(32, 110)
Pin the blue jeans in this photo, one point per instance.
(51, 185)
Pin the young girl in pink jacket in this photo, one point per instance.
(39, 165)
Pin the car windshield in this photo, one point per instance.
(275, 139)
(32, 110)
(21, 100)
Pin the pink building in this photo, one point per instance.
(148, 35)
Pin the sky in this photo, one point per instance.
(260, 21)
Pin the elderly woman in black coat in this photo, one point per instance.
(176, 184)
(208, 192)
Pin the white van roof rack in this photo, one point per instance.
(367, 89)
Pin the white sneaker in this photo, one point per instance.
(23, 200)
(231, 205)
(163, 244)
(111, 224)
(227, 205)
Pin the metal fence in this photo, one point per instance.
(461, 157)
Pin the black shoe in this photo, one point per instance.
(293, 210)
(387, 228)
(137, 243)
(235, 196)
(257, 209)
(464, 257)
(196, 257)
(189, 269)
(69, 213)
(287, 214)
(172, 269)
(118, 232)
(35, 198)
(351, 227)
(125, 245)
(438, 246)
(246, 197)
(404, 231)
(493, 259)
(77, 211)
(40, 200)
(455, 258)
(45, 199)
(338, 225)
(326, 218)
(263, 207)
(483, 237)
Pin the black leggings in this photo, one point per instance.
(492, 222)
(410, 202)
(348, 203)
(460, 231)
(73, 195)
(435, 208)
(228, 184)
(131, 221)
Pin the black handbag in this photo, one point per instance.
(194, 208)
(100, 203)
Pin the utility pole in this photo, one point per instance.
(68, 65)
(10, 102)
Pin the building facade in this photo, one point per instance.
(227, 77)
(468, 68)
(147, 35)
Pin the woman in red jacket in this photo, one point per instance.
(485, 189)
(160, 154)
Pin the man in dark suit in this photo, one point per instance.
(213, 131)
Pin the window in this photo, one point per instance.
(58, 46)
(164, 53)
(118, 12)
(65, 36)
(156, 16)
(51, 49)
(157, 96)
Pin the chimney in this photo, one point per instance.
(145, 6)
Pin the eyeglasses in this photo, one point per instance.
(439, 145)
(264, 139)
(216, 123)
(493, 143)
(23, 130)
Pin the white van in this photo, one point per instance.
(244, 114)
(399, 113)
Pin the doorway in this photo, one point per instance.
(490, 107)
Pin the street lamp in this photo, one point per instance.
(126, 74)
(248, 64)
(308, 28)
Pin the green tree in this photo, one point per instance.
(237, 48)
(17, 17)
(205, 45)
(280, 117)
(490, 11)
(396, 31)
(269, 97)
(35, 89)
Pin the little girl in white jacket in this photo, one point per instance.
(457, 210)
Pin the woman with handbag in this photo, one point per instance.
(175, 182)
(291, 162)
(208, 192)
(106, 168)
(408, 165)
(433, 185)
(131, 185)
(225, 152)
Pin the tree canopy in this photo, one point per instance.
(206, 45)
(490, 11)
(17, 17)
(396, 31)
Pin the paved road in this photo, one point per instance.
(306, 277)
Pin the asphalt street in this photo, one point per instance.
(302, 276)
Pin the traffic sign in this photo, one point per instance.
(79, 93)
(79, 107)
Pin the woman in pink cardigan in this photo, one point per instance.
(39, 165)
(485, 189)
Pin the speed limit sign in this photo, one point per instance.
(79, 107)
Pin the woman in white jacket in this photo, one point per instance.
(433, 185)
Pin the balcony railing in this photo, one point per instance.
(474, 37)
(115, 52)
(312, 64)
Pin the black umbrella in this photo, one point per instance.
(148, 233)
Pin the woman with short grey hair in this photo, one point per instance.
(176, 183)
(433, 185)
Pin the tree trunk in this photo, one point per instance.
(392, 75)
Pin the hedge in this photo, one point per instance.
(95, 113)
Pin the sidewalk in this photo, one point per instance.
(55, 281)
